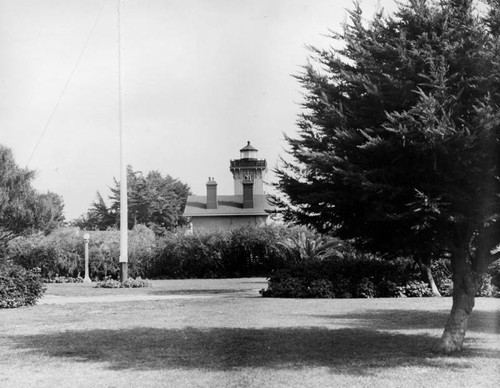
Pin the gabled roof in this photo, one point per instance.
(227, 205)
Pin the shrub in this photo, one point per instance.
(307, 246)
(416, 288)
(321, 288)
(242, 252)
(494, 272)
(136, 283)
(389, 289)
(254, 251)
(342, 287)
(285, 284)
(57, 254)
(129, 283)
(108, 283)
(441, 272)
(486, 289)
(19, 287)
(446, 287)
(64, 279)
(366, 289)
(281, 285)
(61, 254)
(349, 273)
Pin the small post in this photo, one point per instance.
(86, 238)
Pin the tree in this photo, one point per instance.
(48, 211)
(22, 208)
(399, 144)
(98, 217)
(153, 200)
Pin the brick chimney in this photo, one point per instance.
(247, 193)
(211, 193)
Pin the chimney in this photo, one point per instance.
(211, 193)
(247, 193)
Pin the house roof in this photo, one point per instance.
(227, 205)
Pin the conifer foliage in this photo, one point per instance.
(398, 146)
(153, 200)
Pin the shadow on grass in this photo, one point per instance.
(397, 319)
(349, 351)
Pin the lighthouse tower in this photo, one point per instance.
(248, 168)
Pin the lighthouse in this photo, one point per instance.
(248, 168)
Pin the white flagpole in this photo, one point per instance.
(123, 171)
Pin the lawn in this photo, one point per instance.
(221, 333)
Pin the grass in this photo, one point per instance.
(228, 336)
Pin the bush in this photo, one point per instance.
(416, 288)
(389, 289)
(108, 283)
(321, 288)
(441, 272)
(129, 283)
(366, 289)
(19, 287)
(64, 279)
(246, 251)
(136, 283)
(242, 252)
(285, 287)
(348, 274)
(60, 255)
(494, 272)
(446, 287)
(342, 286)
(486, 289)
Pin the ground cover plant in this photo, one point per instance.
(231, 337)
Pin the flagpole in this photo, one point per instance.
(123, 169)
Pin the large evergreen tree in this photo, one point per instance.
(399, 144)
(153, 200)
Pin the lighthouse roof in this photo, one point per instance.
(248, 147)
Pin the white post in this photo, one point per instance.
(123, 172)
(86, 238)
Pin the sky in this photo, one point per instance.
(199, 78)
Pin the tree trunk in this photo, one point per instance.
(426, 269)
(465, 284)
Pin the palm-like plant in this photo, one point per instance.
(307, 247)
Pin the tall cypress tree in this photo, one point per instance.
(398, 146)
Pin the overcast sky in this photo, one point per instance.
(199, 79)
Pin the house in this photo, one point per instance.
(248, 206)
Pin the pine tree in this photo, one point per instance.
(399, 144)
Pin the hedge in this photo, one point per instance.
(298, 262)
